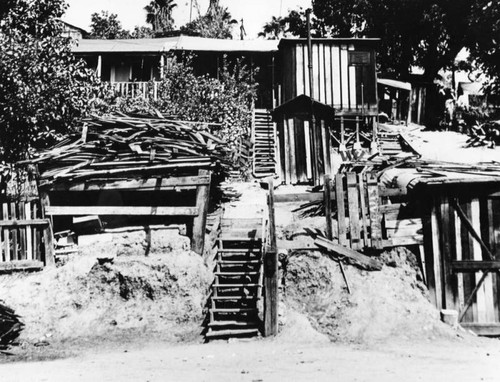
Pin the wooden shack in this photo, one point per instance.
(344, 78)
(461, 224)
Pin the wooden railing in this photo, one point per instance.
(146, 90)
(26, 238)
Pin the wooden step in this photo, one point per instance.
(251, 285)
(231, 332)
(239, 251)
(233, 310)
(228, 274)
(239, 262)
(220, 323)
(229, 298)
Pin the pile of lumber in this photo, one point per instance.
(10, 327)
(121, 145)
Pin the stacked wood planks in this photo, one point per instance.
(119, 145)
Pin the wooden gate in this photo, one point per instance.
(462, 246)
(26, 238)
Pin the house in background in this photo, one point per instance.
(344, 79)
(76, 33)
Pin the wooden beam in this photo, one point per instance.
(148, 184)
(200, 220)
(301, 197)
(353, 207)
(21, 265)
(271, 272)
(341, 221)
(361, 259)
(120, 210)
(482, 329)
(24, 223)
(473, 266)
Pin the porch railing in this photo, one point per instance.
(144, 89)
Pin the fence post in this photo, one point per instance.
(271, 272)
(200, 221)
(48, 235)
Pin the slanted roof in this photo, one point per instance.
(166, 44)
(300, 107)
(373, 42)
(394, 84)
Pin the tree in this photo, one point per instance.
(425, 33)
(142, 32)
(216, 23)
(274, 29)
(484, 40)
(43, 89)
(159, 15)
(106, 26)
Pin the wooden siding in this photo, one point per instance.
(337, 81)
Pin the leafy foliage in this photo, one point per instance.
(159, 15)
(484, 40)
(43, 89)
(427, 33)
(106, 26)
(216, 23)
(227, 101)
(273, 29)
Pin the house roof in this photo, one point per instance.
(394, 84)
(334, 41)
(166, 44)
(301, 107)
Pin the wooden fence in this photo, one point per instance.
(26, 238)
(197, 211)
(147, 90)
(462, 247)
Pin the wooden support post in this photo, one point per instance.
(271, 273)
(200, 221)
(48, 235)
(353, 207)
(328, 207)
(339, 196)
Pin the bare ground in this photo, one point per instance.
(271, 360)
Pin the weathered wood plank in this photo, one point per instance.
(446, 228)
(120, 210)
(363, 210)
(361, 259)
(6, 233)
(24, 223)
(328, 207)
(271, 272)
(132, 184)
(353, 207)
(475, 265)
(437, 297)
(200, 220)
(21, 265)
(483, 329)
(341, 221)
(374, 210)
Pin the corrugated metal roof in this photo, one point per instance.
(186, 43)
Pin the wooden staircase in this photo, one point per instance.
(264, 138)
(389, 144)
(234, 303)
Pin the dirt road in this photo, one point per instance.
(266, 360)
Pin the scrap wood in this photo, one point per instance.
(146, 143)
(10, 327)
(362, 260)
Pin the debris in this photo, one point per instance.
(10, 327)
(120, 144)
(364, 261)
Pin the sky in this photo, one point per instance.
(255, 13)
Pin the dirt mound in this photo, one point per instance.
(390, 304)
(85, 299)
